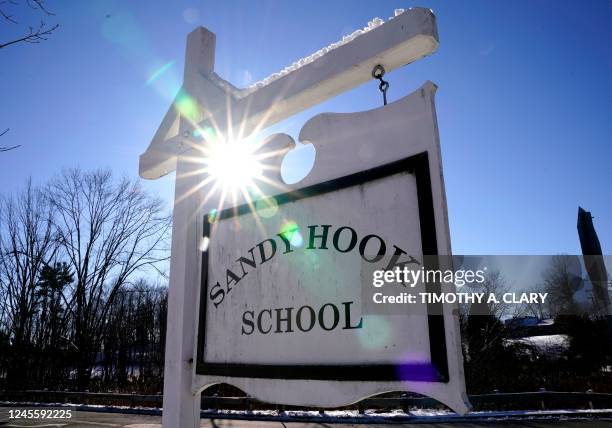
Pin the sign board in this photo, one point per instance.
(280, 304)
(269, 299)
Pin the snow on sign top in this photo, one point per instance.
(206, 100)
(376, 22)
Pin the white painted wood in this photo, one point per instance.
(181, 406)
(402, 40)
(345, 143)
(315, 278)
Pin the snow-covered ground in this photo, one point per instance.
(414, 414)
(553, 344)
(347, 416)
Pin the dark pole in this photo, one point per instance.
(594, 262)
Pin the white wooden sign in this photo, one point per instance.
(266, 295)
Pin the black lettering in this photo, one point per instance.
(322, 316)
(287, 241)
(215, 294)
(248, 322)
(287, 319)
(395, 257)
(347, 317)
(323, 236)
(250, 262)
(298, 317)
(381, 250)
(351, 244)
(259, 327)
(231, 277)
(262, 251)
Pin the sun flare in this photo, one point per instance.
(234, 165)
(235, 172)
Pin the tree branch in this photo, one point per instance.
(9, 18)
(34, 36)
(6, 149)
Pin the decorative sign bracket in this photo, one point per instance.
(404, 39)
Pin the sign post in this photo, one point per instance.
(266, 284)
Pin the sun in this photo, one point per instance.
(233, 164)
(235, 172)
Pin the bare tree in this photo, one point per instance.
(133, 345)
(14, 11)
(494, 283)
(536, 309)
(6, 149)
(561, 281)
(109, 231)
(27, 244)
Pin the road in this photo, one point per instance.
(82, 419)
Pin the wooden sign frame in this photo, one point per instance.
(417, 165)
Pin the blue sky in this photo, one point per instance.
(524, 99)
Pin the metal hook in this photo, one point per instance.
(378, 72)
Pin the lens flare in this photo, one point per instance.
(291, 231)
(207, 133)
(233, 164)
(160, 72)
(297, 240)
(378, 335)
(266, 207)
(237, 171)
(187, 106)
(204, 242)
(213, 216)
(416, 367)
